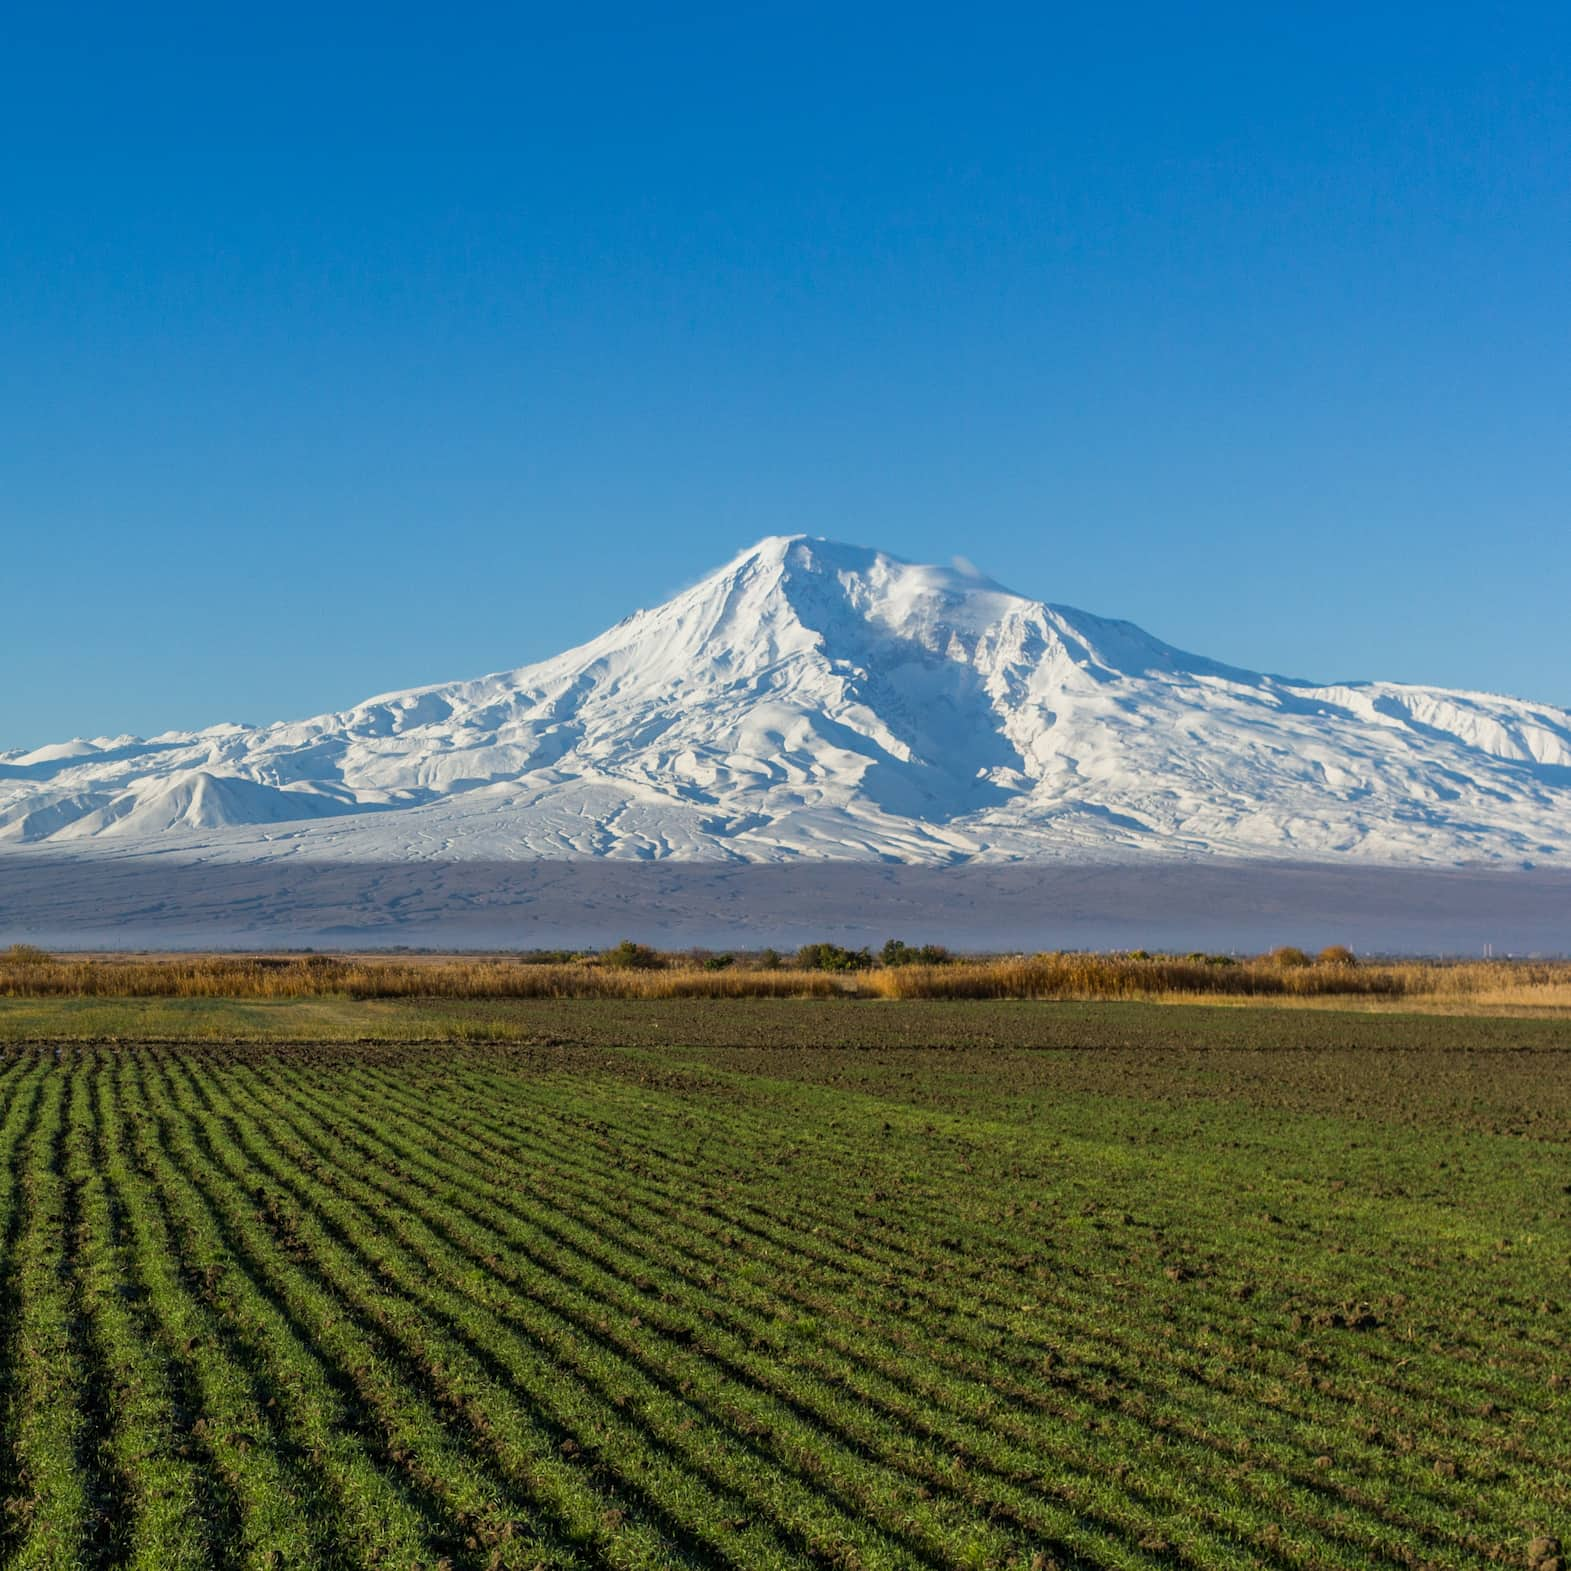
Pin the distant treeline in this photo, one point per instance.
(820, 970)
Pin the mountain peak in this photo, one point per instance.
(818, 554)
(814, 698)
(828, 584)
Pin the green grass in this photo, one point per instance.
(790, 1285)
(220, 1019)
(762, 1022)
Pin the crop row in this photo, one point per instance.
(262, 1311)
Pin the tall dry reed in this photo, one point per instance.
(1048, 976)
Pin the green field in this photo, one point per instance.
(784, 1284)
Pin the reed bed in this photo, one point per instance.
(316, 977)
(1087, 977)
(1097, 976)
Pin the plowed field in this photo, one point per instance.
(1261, 1304)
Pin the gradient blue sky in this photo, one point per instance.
(348, 348)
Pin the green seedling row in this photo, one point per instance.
(875, 1308)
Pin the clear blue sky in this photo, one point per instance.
(347, 348)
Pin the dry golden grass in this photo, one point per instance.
(1092, 976)
(1486, 987)
(1526, 1002)
(320, 975)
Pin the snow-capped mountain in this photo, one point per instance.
(817, 700)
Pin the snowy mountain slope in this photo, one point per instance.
(819, 700)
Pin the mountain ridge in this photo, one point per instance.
(821, 700)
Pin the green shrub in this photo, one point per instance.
(628, 956)
(896, 953)
(831, 957)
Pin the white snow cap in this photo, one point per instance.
(817, 699)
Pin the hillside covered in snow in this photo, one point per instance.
(812, 700)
